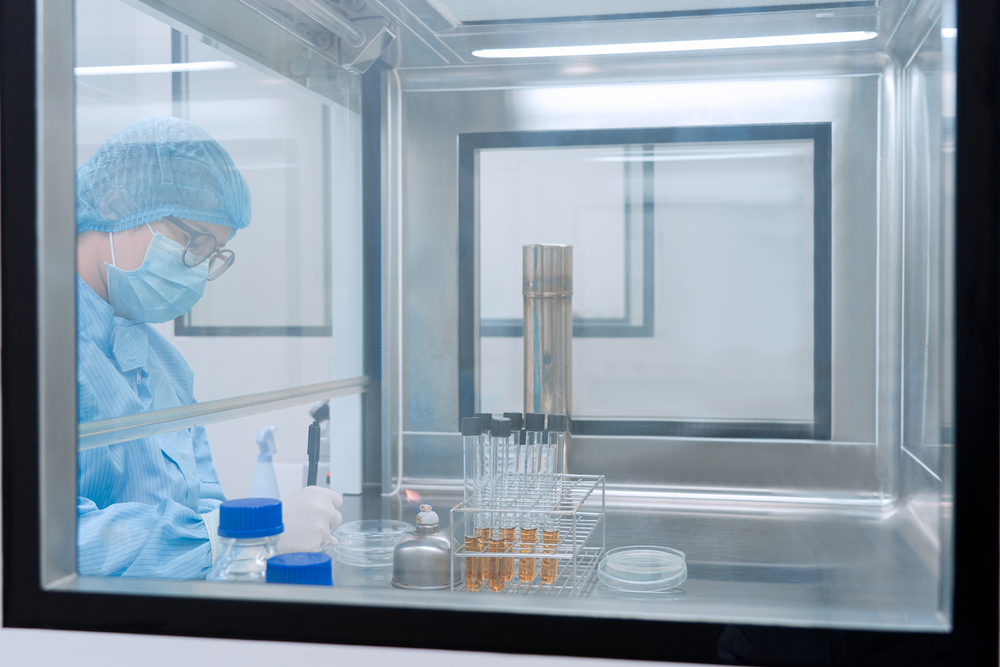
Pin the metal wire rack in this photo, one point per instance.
(581, 534)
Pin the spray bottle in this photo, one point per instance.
(265, 482)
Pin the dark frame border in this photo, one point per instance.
(977, 513)
(820, 133)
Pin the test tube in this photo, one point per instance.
(508, 519)
(472, 456)
(516, 421)
(499, 452)
(530, 492)
(534, 437)
(552, 482)
(517, 474)
(558, 426)
(474, 478)
(484, 519)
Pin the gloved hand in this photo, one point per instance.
(309, 515)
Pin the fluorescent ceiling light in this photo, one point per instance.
(686, 45)
(949, 33)
(202, 66)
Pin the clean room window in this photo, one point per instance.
(701, 273)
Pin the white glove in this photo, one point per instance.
(309, 515)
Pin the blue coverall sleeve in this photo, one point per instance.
(140, 540)
(140, 504)
(211, 490)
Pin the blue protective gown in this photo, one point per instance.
(140, 503)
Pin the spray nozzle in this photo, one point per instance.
(266, 442)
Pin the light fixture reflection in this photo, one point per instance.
(158, 68)
(685, 45)
(949, 33)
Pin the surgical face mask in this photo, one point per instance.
(161, 289)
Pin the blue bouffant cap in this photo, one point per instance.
(300, 568)
(156, 167)
(250, 517)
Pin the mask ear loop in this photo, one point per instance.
(111, 240)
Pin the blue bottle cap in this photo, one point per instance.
(300, 568)
(250, 517)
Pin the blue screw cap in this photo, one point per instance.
(310, 568)
(250, 517)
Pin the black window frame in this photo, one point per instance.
(821, 134)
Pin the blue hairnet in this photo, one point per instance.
(156, 167)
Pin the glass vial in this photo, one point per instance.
(473, 566)
(502, 455)
(487, 463)
(550, 566)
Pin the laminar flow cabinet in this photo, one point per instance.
(782, 337)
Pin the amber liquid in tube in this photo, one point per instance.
(493, 575)
(507, 564)
(473, 566)
(526, 566)
(550, 544)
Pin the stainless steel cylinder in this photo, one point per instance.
(548, 329)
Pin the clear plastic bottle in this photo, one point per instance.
(250, 529)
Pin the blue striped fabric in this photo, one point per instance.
(139, 503)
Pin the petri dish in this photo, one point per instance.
(642, 568)
(369, 543)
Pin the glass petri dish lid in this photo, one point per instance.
(642, 568)
(369, 543)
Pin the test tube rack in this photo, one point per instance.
(581, 537)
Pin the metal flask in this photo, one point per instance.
(548, 329)
(422, 560)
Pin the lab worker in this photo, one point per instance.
(156, 206)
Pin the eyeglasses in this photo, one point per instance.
(202, 246)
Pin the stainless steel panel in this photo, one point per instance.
(756, 565)
(927, 438)
(56, 234)
(694, 469)
(887, 365)
(238, 31)
(394, 264)
(433, 120)
(416, 44)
